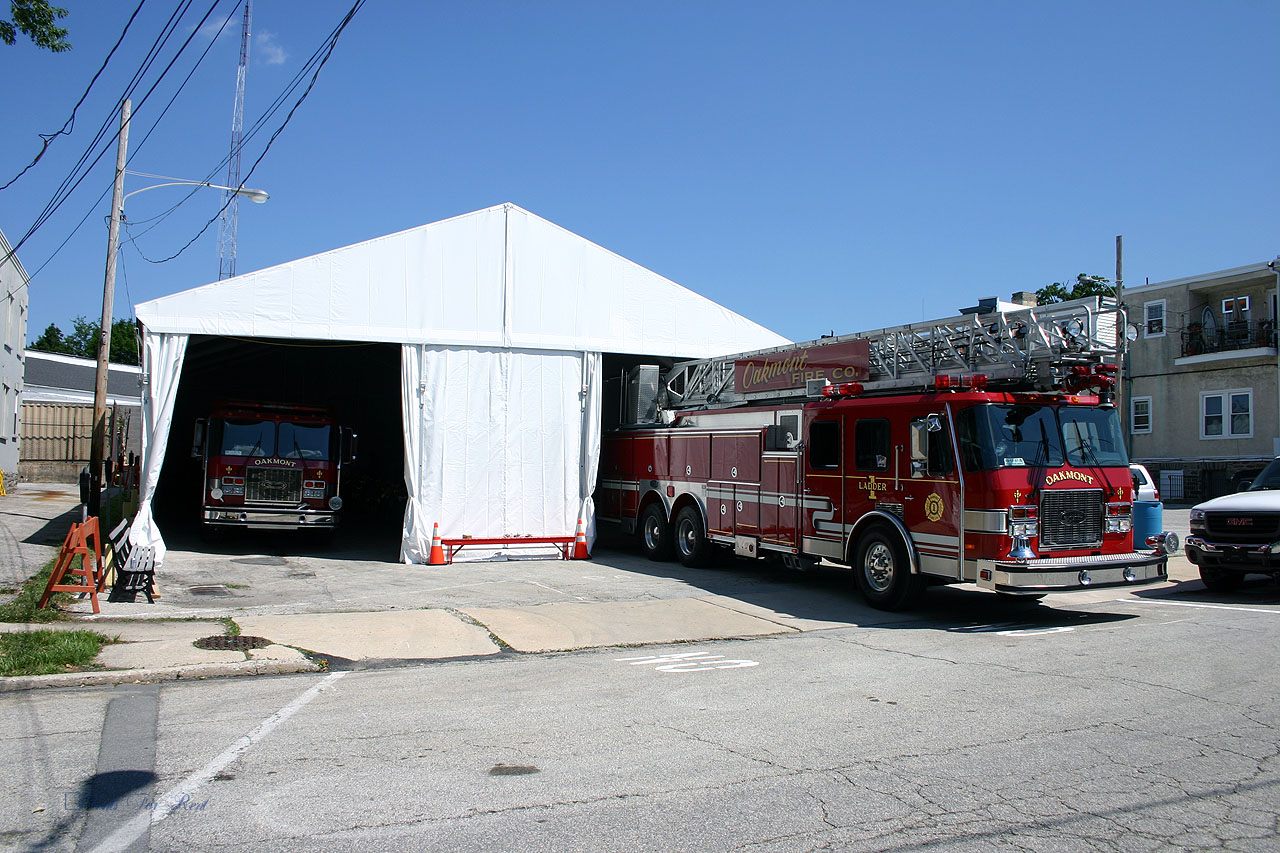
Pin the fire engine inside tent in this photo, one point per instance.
(470, 357)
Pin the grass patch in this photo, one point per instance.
(45, 652)
(232, 629)
(24, 607)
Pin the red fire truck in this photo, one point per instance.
(271, 465)
(984, 448)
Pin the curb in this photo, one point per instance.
(168, 673)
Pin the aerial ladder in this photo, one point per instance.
(1058, 346)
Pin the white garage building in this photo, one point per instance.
(503, 324)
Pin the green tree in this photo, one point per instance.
(51, 340)
(83, 340)
(37, 20)
(1085, 285)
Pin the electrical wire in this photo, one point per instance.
(71, 183)
(332, 42)
(160, 40)
(68, 127)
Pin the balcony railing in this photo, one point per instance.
(1234, 336)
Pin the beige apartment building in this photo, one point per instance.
(1203, 394)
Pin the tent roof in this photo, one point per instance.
(499, 277)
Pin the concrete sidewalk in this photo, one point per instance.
(299, 608)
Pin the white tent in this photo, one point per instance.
(502, 318)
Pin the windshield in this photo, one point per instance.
(248, 438)
(1269, 478)
(304, 441)
(1027, 436)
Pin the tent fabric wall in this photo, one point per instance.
(498, 443)
(162, 357)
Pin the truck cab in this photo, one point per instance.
(271, 466)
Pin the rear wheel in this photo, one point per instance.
(692, 545)
(883, 572)
(655, 533)
(1220, 580)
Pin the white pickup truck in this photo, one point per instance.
(1239, 534)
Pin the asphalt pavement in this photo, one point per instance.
(301, 605)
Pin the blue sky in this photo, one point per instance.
(816, 166)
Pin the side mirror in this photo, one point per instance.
(1244, 485)
(919, 447)
(934, 423)
(197, 439)
(352, 446)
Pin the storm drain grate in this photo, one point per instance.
(209, 589)
(238, 643)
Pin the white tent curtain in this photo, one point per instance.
(491, 441)
(162, 356)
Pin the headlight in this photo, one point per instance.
(1197, 515)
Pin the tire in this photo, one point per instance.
(693, 547)
(1220, 580)
(655, 533)
(883, 573)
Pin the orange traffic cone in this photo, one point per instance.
(580, 543)
(436, 557)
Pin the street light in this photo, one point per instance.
(108, 296)
(255, 196)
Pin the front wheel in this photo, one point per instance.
(883, 572)
(655, 533)
(692, 545)
(1220, 580)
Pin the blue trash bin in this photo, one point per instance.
(1148, 520)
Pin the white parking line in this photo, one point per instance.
(184, 791)
(1205, 606)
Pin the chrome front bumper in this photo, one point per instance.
(1202, 552)
(1071, 574)
(290, 518)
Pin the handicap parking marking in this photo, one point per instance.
(688, 662)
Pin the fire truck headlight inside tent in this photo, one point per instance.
(1119, 517)
(1023, 522)
(231, 486)
(313, 489)
(335, 503)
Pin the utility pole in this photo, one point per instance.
(99, 441)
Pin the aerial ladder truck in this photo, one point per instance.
(983, 448)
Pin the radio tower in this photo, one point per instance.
(229, 222)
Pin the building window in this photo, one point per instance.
(1154, 314)
(1140, 414)
(1235, 310)
(1226, 414)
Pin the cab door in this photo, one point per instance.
(932, 495)
(822, 485)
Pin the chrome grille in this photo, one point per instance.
(273, 486)
(1244, 527)
(1071, 518)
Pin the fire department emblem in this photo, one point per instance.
(933, 507)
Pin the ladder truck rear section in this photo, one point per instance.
(983, 449)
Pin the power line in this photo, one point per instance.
(69, 125)
(71, 183)
(332, 42)
(169, 28)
